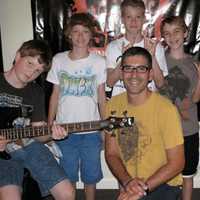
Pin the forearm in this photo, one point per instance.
(158, 76)
(102, 100)
(118, 169)
(196, 93)
(113, 75)
(172, 168)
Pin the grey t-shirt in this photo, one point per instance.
(181, 82)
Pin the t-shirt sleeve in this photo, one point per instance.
(52, 75)
(172, 129)
(161, 59)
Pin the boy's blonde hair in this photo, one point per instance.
(132, 3)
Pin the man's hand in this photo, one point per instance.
(58, 132)
(3, 143)
(136, 186)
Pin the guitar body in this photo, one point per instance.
(8, 115)
(30, 187)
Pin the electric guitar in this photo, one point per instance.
(108, 124)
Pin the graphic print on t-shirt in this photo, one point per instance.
(14, 112)
(133, 142)
(81, 83)
(177, 89)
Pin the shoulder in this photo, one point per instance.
(61, 55)
(117, 100)
(96, 56)
(117, 43)
(162, 102)
(97, 59)
(35, 88)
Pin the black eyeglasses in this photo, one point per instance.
(139, 69)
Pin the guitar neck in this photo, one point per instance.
(28, 132)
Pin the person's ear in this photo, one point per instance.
(17, 56)
(151, 74)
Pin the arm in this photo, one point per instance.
(53, 104)
(51, 115)
(157, 73)
(114, 161)
(132, 186)
(113, 75)
(196, 93)
(102, 100)
(174, 165)
(151, 46)
(113, 65)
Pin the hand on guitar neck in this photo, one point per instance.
(3, 143)
(61, 131)
(58, 133)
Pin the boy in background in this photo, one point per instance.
(183, 88)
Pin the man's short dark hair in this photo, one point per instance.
(137, 51)
(37, 48)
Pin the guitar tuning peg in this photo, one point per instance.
(113, 112)
(125, 113)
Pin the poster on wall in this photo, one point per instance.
(108, 16)
(49, 18)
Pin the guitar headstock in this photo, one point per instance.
(113, 122)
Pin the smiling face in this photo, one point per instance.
(80, 36)
(174, 35)
(136, 81)
(133, 19)
(26, 69)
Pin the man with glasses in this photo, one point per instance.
(147, 158)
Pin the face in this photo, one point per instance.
(27, 69)
(80, 36)
(136, 81)
(133, 19)
(174, 35)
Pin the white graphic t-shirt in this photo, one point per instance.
(78, 81)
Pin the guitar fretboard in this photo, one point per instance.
(28, 132)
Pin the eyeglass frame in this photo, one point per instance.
(136, 68)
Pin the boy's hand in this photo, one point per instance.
(3, 143)
(125, 47)
(58, 132)
(150, 44)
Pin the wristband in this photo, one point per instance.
(147, 191)
(127, 182)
